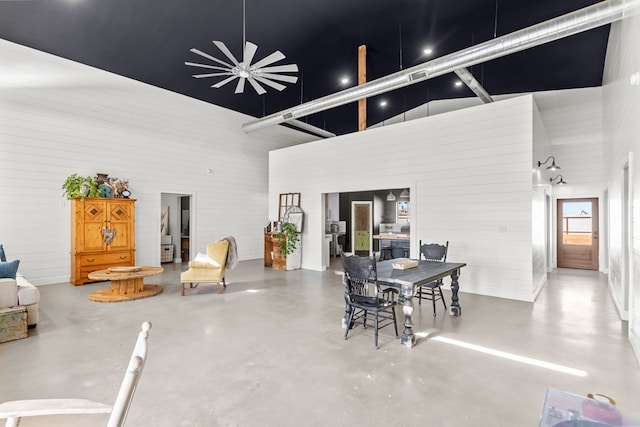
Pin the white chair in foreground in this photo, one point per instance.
(15, 410)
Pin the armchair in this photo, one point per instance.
(209, 269)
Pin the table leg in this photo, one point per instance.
(455, 309)
(407, 339)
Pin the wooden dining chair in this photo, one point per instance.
(432, 291)
(363, 296)
(58, 411)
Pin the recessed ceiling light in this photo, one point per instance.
(383, 103)
(344, 80)
(458, 83)
(427, 51)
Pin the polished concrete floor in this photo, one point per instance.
(270, 352)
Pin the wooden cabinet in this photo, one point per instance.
(102, 236)
(273, 257)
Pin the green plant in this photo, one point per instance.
(79, 187)
(290, 236)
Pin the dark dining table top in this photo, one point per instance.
(424, 272)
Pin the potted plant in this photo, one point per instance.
(291, 238)
(79, 187)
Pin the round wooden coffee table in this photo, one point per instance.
(126, 284)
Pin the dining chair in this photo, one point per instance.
(432, 291)
(63, 411)
(363, 296)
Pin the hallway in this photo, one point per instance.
(269, 352)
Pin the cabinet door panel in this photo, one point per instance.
(121, 220)
(94, 218)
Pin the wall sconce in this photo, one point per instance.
(391, 197)
(561, 182)
(405, 194)
(553, 166)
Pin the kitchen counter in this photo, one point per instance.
(392, 236)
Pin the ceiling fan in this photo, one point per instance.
(256, 73)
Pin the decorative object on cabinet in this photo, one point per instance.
(289, 238)
(91, 250)
(79, 187)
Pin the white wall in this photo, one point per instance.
(469, 173)
(540, 212)
(58, 117)
(622, 141)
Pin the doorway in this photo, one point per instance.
(176, 214)
(577, 233)
(362, 228)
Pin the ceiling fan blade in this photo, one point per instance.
(249, 52)
(289, 68)
(212, 67)
(206, 55)
(282, 78)
(226, 51)
(274, 85)
(224, 82)
(256, 86)
(240, 85)
(274, 57)
(200, 76)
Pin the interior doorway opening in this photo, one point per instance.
(176, 215)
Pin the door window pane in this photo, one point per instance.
(577, 223)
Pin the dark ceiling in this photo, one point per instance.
(149, 41)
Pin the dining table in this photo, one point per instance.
(407, 281)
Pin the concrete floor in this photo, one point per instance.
(269, 352)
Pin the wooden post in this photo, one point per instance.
(362, 79)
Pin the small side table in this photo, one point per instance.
(126, 284)
(13, 323)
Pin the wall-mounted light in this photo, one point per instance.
(553, 166)
(405, 194)
(391, 197)
(555, 180)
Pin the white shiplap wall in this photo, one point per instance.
(58, 117)
(622, 141)
(469, 173)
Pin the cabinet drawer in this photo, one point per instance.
(102, 259)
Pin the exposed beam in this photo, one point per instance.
(362, 79)
(471, 82)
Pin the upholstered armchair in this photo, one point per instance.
(209, 269)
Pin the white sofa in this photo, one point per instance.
(19, 292)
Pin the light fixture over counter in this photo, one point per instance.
(405, 194)
(551, 167)
(391, 197)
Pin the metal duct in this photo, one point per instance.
(473, 84)
(572, 23)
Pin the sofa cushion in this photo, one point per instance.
(27, 293)
(8, 293)
(9, 269)
(3, 257)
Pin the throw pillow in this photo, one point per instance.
(9, 269)
(3, 258)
